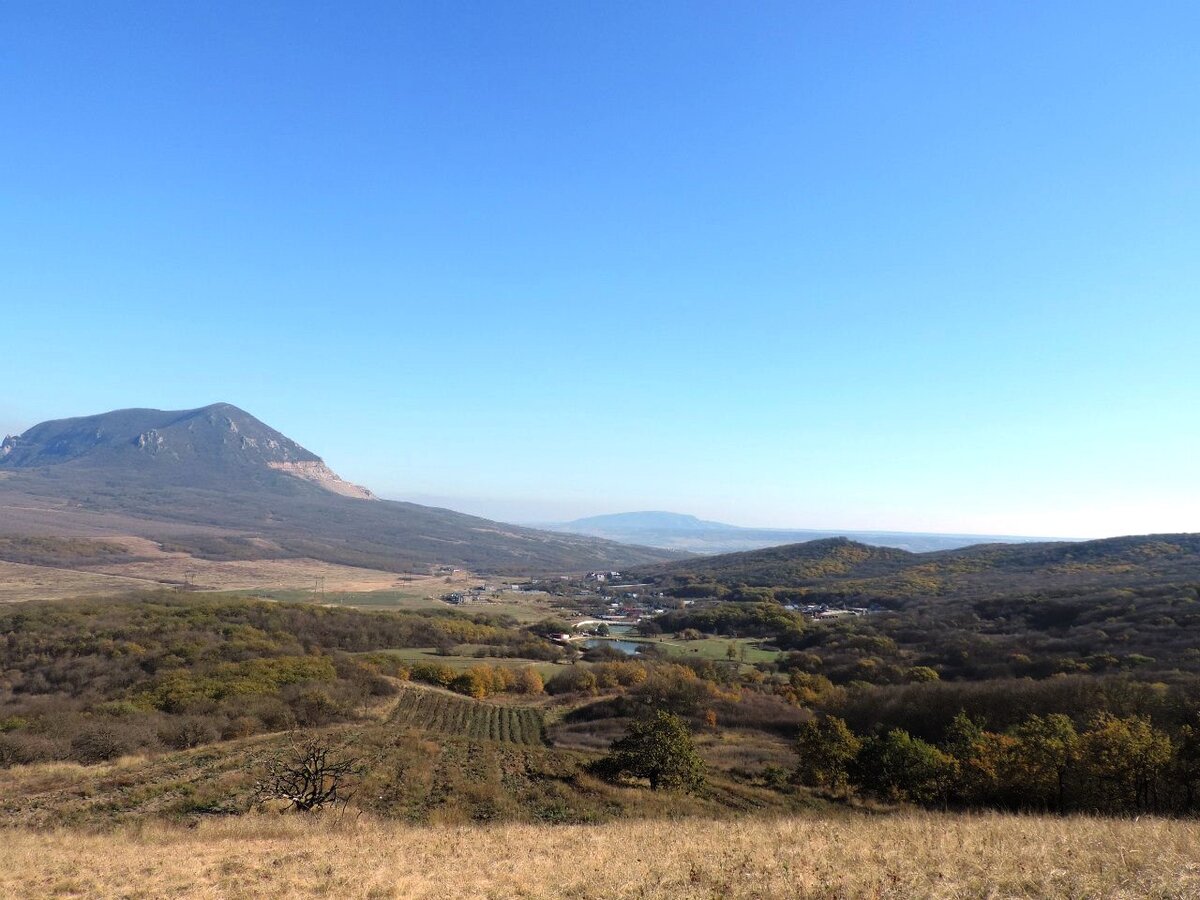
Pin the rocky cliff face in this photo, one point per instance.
(320, 474)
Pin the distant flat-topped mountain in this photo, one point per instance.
(676, 531)
(219, 482)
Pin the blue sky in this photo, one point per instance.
(916, 266)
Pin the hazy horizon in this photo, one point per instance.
(535, 509)
(518, 512)
(929, 269)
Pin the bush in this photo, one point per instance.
(99, 743)
(185, 733)
(25, 749)
(575, 680)
(313, 707)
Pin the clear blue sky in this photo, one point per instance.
(923, 266)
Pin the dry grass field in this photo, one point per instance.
(840, 856)
(298, 580)
(20, 582)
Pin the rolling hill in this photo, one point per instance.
(838, 568)
(219, 483)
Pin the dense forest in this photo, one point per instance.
(93, 679)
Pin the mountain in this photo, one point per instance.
(840, 570)
(645, 522)
(676, 531)
(218, 482)
(196, 447)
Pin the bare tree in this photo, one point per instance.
(309, 777)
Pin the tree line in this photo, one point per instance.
(1115, 764)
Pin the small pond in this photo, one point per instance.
(629, 647)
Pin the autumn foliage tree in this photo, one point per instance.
(1045, 752)
(1124, 761)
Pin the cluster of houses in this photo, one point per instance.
(602, 576)
(823, 611)
(457, 598)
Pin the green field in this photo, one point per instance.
(356, 599)
(447, 714)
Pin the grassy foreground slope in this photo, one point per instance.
(843, 856)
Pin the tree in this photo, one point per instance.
(1045, 751)
(827, 747)
(897, 766)
(658, 748)
(1187, 762)
(980, 756)
(1124, 760)
(308, 777)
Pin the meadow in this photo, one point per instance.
(840, 855)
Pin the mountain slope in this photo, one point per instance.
(220, 483)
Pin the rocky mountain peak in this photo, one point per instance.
(216, 444)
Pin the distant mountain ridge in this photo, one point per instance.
(841, 570)
(678, 531)
(654, 520)
(219, 482)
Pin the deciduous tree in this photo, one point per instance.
(658, 748)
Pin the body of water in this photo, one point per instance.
(629, 647)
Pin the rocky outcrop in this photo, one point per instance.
(320, 474)
(150, 440)
(10, 444)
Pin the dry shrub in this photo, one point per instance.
(100, 743)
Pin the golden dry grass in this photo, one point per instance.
(839, 856)
(262, 574)
(20, 582)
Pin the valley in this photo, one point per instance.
(179, 623)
